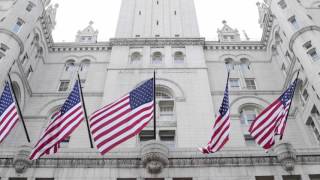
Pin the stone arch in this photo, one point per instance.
(18, 88)
(239, 103)
(50, 106)
(173, 87)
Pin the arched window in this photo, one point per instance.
(229, 63)
(84, 65)
(178, 57)
(248, 113)
(39, 52)
(135, 57)
(157, 58)
(69, 65)
(165, 101)
(245, 64)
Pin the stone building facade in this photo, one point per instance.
(163, 35)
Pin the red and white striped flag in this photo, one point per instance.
(221, 128)
(8, 112)
(64, 122)
(272, 120)
(123, 119)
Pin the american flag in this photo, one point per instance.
(221, 127)
(124, 118)
(62, 124)
(272, 120)
(8, 112)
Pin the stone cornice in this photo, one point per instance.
(136, 162)
(247, 92)
(64, 94)
(232, 46)
(157, 41)
(75, 46)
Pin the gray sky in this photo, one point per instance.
(74, 15)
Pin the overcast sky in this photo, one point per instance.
(74, 15)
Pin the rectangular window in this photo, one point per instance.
(307, 45)
(18, 178)
(294, 22)
(167, 135)
(3, 47)
(66, 140)
(282, 4)
(166, 107)
(64, 85)
(16, 28)
(146, 135)
(314, 177)
(154, 179)
(44, 179)
(234, 83)
(29, 72)
(251, 84)
(30, 6)
(314, 55)
(249, 140)
(291, 177)
(264, 178)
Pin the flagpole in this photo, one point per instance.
(18, 106)
(291, 102)
(154, 106)
(85, 111)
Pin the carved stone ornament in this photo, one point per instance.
(154, 156)
(21, 160)
(286, 155)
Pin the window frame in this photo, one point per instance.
(232, 84)
(64, 85)
(250, 86)
(18, 25)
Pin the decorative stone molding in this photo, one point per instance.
(286, 155)
(308, 158)
(21, 160)
(157, 41)
(154, 156)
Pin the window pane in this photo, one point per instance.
(250, 83)
(264, 178)
(64, 85)
(234, 83)
(291, 177)
(314, 177)
(146, 135)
